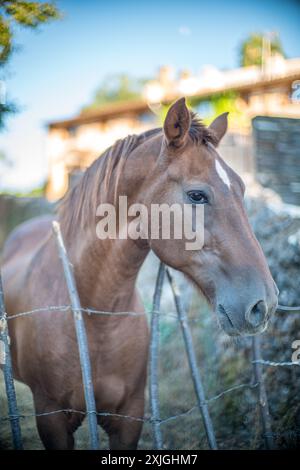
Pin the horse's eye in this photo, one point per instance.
(197, 197)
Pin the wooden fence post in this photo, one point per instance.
(262, 394)
(5, 361)
(153, 365)
(188, 341)
(81, 339)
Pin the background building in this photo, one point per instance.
(267, 90)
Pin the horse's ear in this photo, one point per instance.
(177, 123)
(219, 126)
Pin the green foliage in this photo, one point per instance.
(6, 108)
(219, 103)
(22, 13)
(164, 108)
(5, 40)
(251, 49)
(116, 88)
(224, 102)
(227, 102)
(25, 14)
(162, 113)
(33, 193)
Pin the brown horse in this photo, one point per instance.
(176, 164)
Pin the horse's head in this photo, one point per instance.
(230, 269)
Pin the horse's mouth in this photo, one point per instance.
(226, 322)
(228, 325)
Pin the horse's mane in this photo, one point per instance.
(199, 133)
(82, 200)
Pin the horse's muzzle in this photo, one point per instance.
(236, 323)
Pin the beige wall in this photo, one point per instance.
(67, 150)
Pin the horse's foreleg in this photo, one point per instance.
(124, 433)
(54, 428)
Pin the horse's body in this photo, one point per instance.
(44, 347)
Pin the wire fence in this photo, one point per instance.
(154, 419)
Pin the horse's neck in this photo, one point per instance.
(106, 273)
(106, 270)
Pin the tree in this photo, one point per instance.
(116, 88)
(25, 14)
(252, 49)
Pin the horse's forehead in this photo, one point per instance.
(193, 160)
(204, 163)
(214, 166)
(198, 160)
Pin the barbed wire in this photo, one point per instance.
(285, 308)
(90, 404)
(146, 419)
(132, 418)
(91, 311)
(169, 314)
(209, 400)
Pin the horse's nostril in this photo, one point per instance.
(257, 315)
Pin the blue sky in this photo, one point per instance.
(57, 69)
